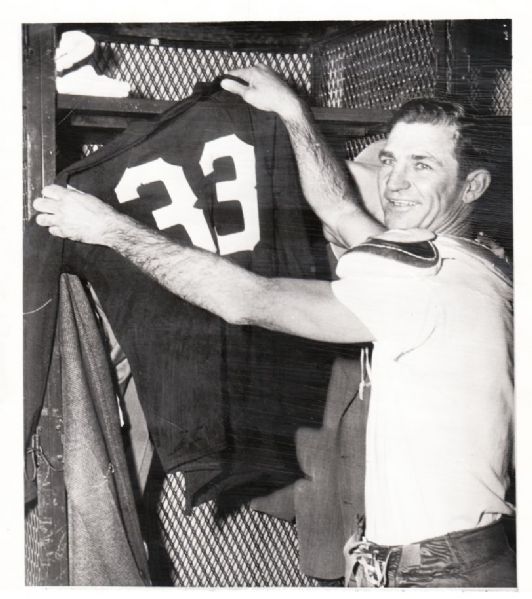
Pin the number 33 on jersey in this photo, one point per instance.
(183, 211)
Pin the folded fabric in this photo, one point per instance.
(73, 47)
(86, 82)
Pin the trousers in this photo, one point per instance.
(479, 558)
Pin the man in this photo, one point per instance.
(436, 307)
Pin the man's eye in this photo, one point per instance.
(386, 161)
(422, 166)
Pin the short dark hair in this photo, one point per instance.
(471, 138)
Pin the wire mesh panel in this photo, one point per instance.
(380, 68)
(163, 72)
(496, 95)
(32, 547)
(488, 68)
(502, 94)
(242, 549)
(355, 145)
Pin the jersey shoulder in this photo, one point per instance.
(412, 247)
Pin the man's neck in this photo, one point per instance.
(456, 223)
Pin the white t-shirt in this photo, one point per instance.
(441, 409)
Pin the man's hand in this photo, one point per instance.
(75, 215)
(325, 182)
(265, 90)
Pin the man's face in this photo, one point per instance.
(418, 180)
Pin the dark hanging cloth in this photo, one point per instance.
(104, 539)
(222, 402)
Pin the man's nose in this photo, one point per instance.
(398, 179)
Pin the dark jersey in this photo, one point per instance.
(221, 402)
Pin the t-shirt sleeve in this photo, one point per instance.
(395, 301)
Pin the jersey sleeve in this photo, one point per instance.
(394, 298)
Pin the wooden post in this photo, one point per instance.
(39, 170)
(39, 110)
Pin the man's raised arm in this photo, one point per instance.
(305, 308)
(326, 184)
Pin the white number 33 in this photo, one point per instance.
(181, 210)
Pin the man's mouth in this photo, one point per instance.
(401, 203)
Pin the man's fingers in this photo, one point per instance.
(52, 195)
(45, 205)
(240, 80)
(45, 220)
(55, 231)
(244, 74)
(50, 221)
(233, 86)
(53, 191)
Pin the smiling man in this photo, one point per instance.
(427, 180)
(437, 307)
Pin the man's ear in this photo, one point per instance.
(475, 185)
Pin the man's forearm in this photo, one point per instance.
(195, 275)
(324, 183)
(327, 186)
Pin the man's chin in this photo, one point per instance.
(395, 221)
